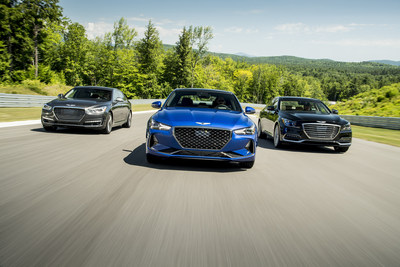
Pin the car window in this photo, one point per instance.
(275, 103)
(202, 99)
(89, 93)
(301, 105)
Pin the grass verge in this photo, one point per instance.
(19, 114)
(385, 136)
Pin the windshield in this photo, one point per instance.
(301, 105)
(202, 99)
(89, 93)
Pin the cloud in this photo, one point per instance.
(234, 30)
(293, 28)
(362, 43)
(97, 29)
(167, 34)
(333, 29)
(241, 30)
(251, 12)
(140, 19)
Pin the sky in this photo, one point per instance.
(341, 30)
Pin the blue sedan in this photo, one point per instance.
(202, 124)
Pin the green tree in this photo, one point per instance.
(200, 36)
(149, 56)
(4, 63)
(37, 13)
(182, 65)
(15, 35)
(122, 36)
(243, 79)
(74, 54)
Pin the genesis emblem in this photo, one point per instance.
(203, 123)
(71, 105)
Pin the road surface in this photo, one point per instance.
(79, 198)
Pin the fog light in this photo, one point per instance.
(249, 146)
(153, 141)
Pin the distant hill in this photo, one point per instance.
(389, 62)
(240, 54)
(304, 65)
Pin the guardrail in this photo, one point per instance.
(23, 101)
(392, 123)
(18, 100)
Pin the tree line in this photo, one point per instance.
(38, 43)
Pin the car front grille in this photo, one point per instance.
(321, 131)
(69, 114)
(202, 138)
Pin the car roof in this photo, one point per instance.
(203, 90)
(297, 98)
(96, 87)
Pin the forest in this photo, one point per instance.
(39, 44)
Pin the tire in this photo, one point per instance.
(50, 128)
(152, 159)
(341, 149)
(108, 127)
(261, 134)
(246, 164)
(128, 122)
(277, 137)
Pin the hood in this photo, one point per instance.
(311, 117)
(203, 118)
(82, 103)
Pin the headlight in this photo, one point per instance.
(47, 107)
(246, 131)
(346, 127)
(288, 122)
(96, 111)
(159, 126)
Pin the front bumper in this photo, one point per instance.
(240, 148)
(297, 135)
(49, 118)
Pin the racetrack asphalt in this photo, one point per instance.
(79, 198)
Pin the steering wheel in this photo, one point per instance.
(222, 106)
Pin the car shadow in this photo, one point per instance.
(82, 131)
(137, 157)
(295, 148)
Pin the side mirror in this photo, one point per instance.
(271, 108)
(250, 110)
(119, 99)
(156, 104)
(334, 111)
(61, 96)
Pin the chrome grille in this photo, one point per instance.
(202, 138)
(321, 131)
(69, 114)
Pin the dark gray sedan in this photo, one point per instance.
(93, 107)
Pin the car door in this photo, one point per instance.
(126, 107)
(271, 115)
(117, 107)
(123, 107)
